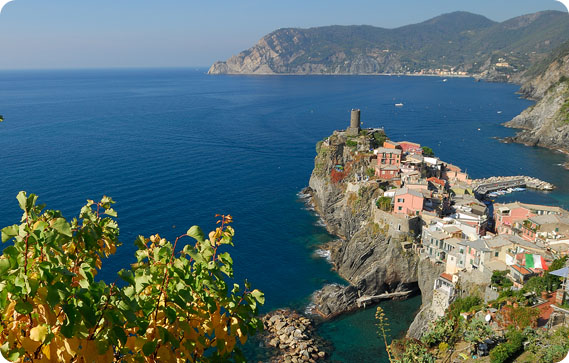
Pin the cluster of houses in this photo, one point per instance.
(460, 231)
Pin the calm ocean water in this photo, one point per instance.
(175, 147)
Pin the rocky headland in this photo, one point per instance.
(546, 124)
(455, 44)
(370, 253)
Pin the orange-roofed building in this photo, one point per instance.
(438, 183)
(388, 144)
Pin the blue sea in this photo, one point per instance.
(174, 147)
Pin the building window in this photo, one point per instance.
(471, 261)
(496, 254)
(399, 208)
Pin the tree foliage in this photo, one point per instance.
(384, 203)
(427, 151)
(175, 305)
(500, 279)
(506, 351)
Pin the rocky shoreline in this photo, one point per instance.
(291, 337)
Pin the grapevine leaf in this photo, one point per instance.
(9, 232)
(61, 226)
(170, 314)
(196, 233)
(38, 333)
(120, 334)
(149, 347)
(24, 307)
(259, 296)
(4, 266)
(52, 296)
(127, 276)
(21, 197)
(111, 212)
(89, 316)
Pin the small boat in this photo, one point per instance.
(444, 80)
(398, 105)
(499, 111)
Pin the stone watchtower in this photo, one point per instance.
(354, 129)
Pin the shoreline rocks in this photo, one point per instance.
(291, 337)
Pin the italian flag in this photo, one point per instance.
(535, 261)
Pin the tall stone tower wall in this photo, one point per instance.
(355, 119)
(354, 128)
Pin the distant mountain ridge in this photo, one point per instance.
(458, 42)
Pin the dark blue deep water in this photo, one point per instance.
(175, 147)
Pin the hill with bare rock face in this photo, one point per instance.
(458, 43)
(546, 124)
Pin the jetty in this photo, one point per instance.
(496, 183)
(366, 299)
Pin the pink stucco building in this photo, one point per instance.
(407, 201)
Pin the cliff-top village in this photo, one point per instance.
(445, 216)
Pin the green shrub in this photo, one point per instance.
(318, 146)
(462, 305)
(379, 137)
(427, 151)
(384, 203)
(441, 331)
(476, 331)
(499, 279)
(505, 351)
(351, 143)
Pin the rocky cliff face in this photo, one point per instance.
(367, 256)
(285, 52)
(427, 273)
(546, 124)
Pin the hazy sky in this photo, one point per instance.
(171, 33)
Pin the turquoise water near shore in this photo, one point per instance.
(174, 147)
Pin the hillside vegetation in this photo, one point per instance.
(459, 42)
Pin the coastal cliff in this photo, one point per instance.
(369, 255)
(458, 43)
(427, 272)
(546, 124)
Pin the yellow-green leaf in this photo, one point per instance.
(38, 333)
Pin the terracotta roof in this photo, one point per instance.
(409, 143)
(436, 180)
(446, 276)
(522, 270)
